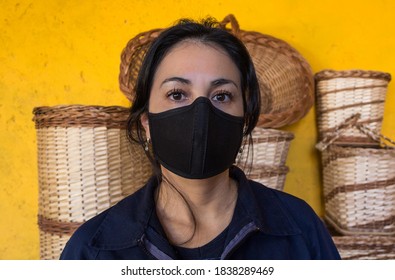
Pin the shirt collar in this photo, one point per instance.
(263, 206)
(127, 222)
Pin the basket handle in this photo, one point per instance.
(235, 28)
(352, 122)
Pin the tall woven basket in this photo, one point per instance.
(365, 247)
(266, 161)
(359, 187)
(285, 77)
(85, 165)
(341, 94)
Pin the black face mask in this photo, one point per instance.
(196, 141)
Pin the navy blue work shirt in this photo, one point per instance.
(266, 224)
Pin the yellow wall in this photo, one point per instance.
(67, 52)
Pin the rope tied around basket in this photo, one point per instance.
(352, 121)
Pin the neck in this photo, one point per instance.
(200, 209)
(201, 192)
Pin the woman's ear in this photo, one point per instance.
(145, 123)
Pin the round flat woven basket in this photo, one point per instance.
(281, 70)
(341, 94)
(359, 189)
(131, 59)
(285, 77)
(365, 247)
(265, 162)
(85, 165)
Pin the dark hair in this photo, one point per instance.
(207, 31)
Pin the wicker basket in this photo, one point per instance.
(285, 77)
(365, 247)
(85, 165)
(131, 59)
(270, 176)
(265, 162)
(341, 94)
(270, 147)
(359, 185)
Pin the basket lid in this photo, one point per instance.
(285, 77)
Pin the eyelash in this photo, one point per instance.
(224, 92)
(174, 91)
(216, 93)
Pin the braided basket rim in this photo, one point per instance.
(327, 74)
(80, 116)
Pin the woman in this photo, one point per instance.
(197, 97)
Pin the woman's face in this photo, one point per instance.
(191, 70)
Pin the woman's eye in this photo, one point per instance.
(176, 95)
(222, 96)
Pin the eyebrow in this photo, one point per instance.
(222, 81)
(176, 79)
(215, 83)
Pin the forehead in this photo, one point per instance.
(192, 56)
(197, 44)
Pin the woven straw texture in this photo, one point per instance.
(365, 247)
(359, 189)
(85, 165)
(131, 59)
(341, 94)
(285, 77)
(272, 177)
(268, 157)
